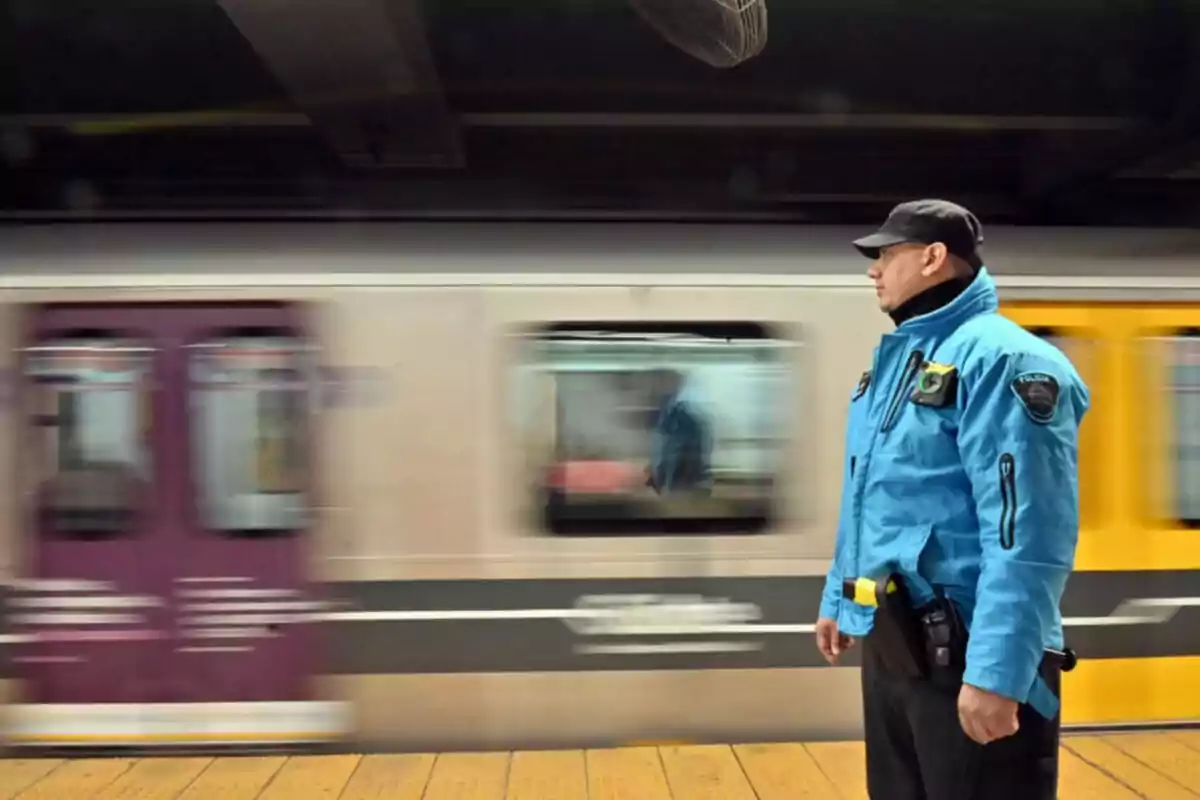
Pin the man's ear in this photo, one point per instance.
(934, 258)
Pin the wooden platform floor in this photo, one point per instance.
(1127, 766)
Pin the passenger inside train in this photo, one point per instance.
(681, 436)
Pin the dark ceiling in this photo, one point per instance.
(1060, 111)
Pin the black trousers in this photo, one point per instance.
(917, 750)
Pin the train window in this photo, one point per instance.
(1183, 362)
(90, 395)
(653, 429)
(250, 404)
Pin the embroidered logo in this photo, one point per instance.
(1038, 393)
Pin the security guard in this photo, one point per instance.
(958, 525)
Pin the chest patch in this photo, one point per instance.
(864, 383)
(1038, 393)
(937, 385)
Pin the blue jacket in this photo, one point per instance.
(681, 446)
(974, 491)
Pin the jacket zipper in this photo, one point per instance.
(1008, 501)
(906, 377)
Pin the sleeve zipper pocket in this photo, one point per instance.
(1008, 501)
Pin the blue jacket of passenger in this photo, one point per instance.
(973, 491)
(681, 445)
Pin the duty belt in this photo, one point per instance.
(904, 642)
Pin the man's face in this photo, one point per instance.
(670, 382)
(898, 273)
(664, 384)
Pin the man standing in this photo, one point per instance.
(958, 525)
(681, 439)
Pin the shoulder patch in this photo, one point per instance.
(864, 383)
(1038, 393)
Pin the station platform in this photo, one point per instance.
(1162, 765)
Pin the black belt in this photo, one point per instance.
(915, 641)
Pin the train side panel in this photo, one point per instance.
(404, 433)
(482, 668)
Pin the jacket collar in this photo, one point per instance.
(978, 298)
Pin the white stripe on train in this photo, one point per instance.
(1136, 611)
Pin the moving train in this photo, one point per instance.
(383, 484)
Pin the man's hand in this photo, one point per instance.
(830, 641)
(986, 716)
(648, 479)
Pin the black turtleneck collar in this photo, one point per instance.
(931, 299)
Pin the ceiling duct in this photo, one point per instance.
(721, 33)
(362, 72)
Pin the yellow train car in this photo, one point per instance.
(1139, 513)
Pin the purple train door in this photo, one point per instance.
(241, 593)
(93, 612)
(170, 462)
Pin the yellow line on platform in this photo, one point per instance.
(628, 773)
(82, 778)
(550, 775)
(311, 778)
(234, 778)
(1079, 780)
(468, 776)
(1128, 770)
(392, 777)
(18, 775)
(785, 772)
(843, 762)
(154, 779)
(1190, 738)
(705, 772)
(1164, 754)
(1115, 767)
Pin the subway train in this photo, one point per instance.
(399, 485)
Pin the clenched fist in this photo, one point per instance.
(986, 716)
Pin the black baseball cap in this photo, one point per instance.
(926, 222)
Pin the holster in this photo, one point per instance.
(897, 634)
(945, 637)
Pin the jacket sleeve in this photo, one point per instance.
(831, 597)
(1018, 442)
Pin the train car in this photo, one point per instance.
(353, 485)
